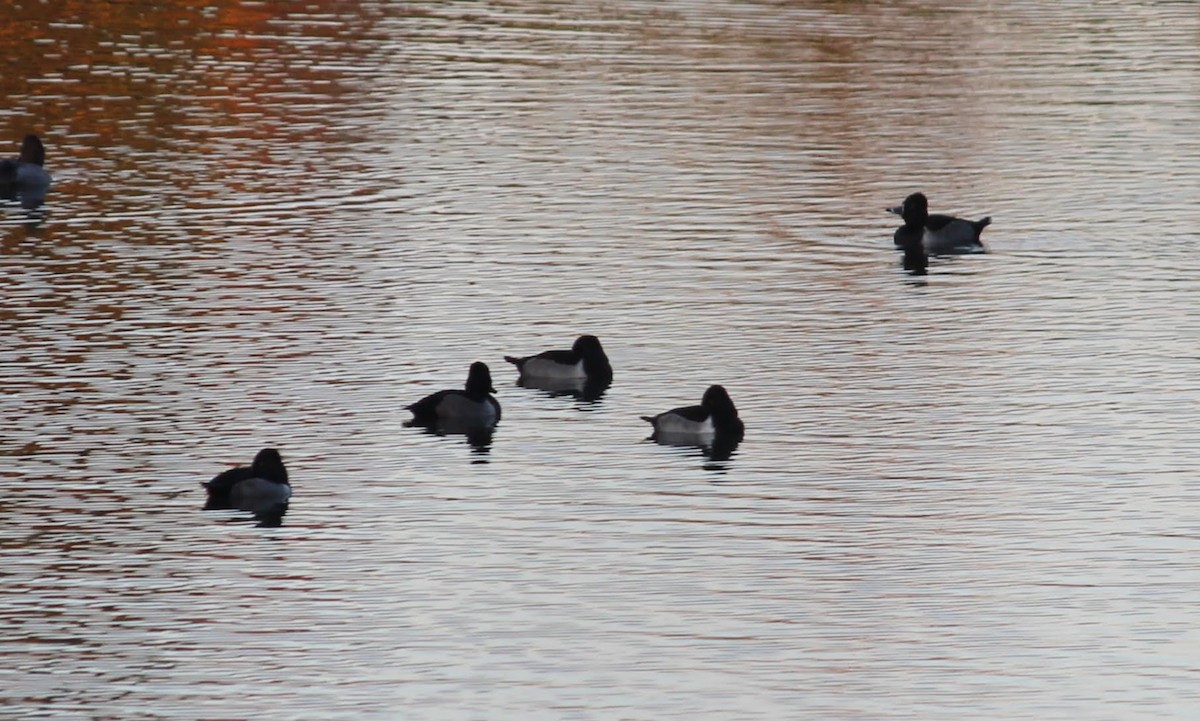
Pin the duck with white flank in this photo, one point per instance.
(582, 371)
(472, 405)
(938, 234)
(261, 486)
(715, 420)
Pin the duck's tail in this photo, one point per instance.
(648, 419)
(983, 223)
(513, 359)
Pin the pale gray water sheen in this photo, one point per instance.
(972, 495)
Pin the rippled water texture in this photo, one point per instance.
(965, 496)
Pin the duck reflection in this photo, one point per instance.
(716, 453)
(30, 221)
(477, 434)
(586, 390)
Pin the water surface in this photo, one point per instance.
(968, 495)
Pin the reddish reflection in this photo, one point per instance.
(188, 100)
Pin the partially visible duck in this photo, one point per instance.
(716, 418)
(472, 405)
(23, 177)
(261, 486)
(941, 234)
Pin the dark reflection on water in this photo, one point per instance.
(586, 391)
(966, 495)
(270, 516)
(191, 108)
(479, 436)
(26, 226)
(718, 453)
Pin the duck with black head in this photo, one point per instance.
(714, 420)
(24, 177)
(262, 486)
(472, 405)
(582, 371)
(938, 234)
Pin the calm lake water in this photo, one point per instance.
(966, 496)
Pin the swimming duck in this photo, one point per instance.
(24, 177)
(586, 359)
(940, 234)
(583, 372)
(258, 487)
(473, 404)
(715, 418)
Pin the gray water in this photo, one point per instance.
(965, 496)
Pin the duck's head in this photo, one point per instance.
(479, 379)
(268, 464)
(915, 209)
(32, 150)
(588, 346)
(716, 399)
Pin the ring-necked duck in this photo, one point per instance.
(586, 359)
(473, 404)
(257, 487)
(715, 418)
(939, 234)
(23, 177)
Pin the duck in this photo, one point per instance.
(715, 419)
(586, 359)
(24, 176)
(474, 404)
(940, 234)
(261, 486)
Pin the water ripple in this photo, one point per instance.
(963, 495)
